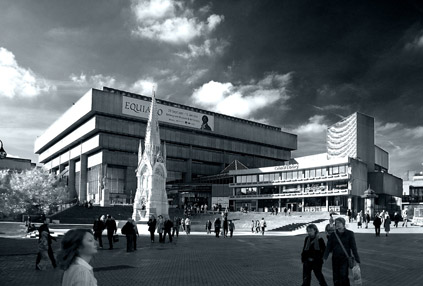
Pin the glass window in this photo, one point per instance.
(330, 171)
(323, 172)
(266, 178)
(283, 176)
(271, 177)
(249, 179)
(294, 175)
(335, 170)
(261, 179)
(307, 174)
(318, 172)
(238, 179)
(254, 178)
(312, 173)
(342, 169)
(289, 175)
(244, 179)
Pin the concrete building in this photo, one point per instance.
(334, 180)
(412, 198)
(96, 141)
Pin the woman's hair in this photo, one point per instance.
(341, 220)
(71, 242)
(314, 227)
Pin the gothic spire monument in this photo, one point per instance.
(151, 197)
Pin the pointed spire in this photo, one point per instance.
(152, 137)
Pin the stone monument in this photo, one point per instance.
(151, 197)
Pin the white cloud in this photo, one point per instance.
(210, 47)
(95, 81)
(144, 86)
(171, 21)
(18, 81)
(314, 125)
(417, 43)
(196, 76)
(416, 132)
(242, 100)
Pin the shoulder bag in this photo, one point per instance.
(351, 261)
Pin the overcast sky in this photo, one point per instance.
(299, 65)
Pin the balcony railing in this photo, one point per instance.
(296, 194)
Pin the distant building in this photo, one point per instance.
(332, 181)
(16, 164)
(412, 198)
(95, 143)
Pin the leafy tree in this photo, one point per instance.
(31, 190)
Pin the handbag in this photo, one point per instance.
(115, 238)
(351, 260)
(357, 275)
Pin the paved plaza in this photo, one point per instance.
(201, 259)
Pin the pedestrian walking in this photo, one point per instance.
(276, 210)
(359, 220)
(129, 231)
(188, 225)
(217, 226)
(152, 226)
(231, 228)
(257, 226)
(167, 228)
(397, 218)
(44, 244)
(111, 230)
(341, 244)
(208, 226)
(289, 211)
(349, 214)
(136, 233)
(253, 226)
(78, 248)
(367, 219)
(405, 218)
(183, 224)
(285, 210)
(387, 224)
(176, 225)
(159, 228)
(263, 225)
(331, 220)
(98, 228)
(377, 222)
(312, 256)
(225, 227)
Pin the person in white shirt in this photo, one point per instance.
(78, 248)
(262, 225)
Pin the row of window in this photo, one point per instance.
(293, 175)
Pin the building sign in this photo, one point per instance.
(286, 167)
(168, 114)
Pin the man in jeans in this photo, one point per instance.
(339, 259)
(44, 227)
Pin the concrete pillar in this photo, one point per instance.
(71, 180)
(61, 168)
(350, 203)
(327, 203)
(302, 205)
(83, 174)
(188, 174)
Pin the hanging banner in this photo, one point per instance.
(168, 114)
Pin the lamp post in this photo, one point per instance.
(3, 153)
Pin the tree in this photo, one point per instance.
(31, 190)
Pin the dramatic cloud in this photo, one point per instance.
(144, 86)
(314, 125)
(210, 47)
(18, 81)
(95, 81)
(171, 21)
(243, 100)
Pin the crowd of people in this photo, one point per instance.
(79, 245)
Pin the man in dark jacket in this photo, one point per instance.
(217, 226)
(339, 258)
(225, 227)
(129, 230)
(98, 228)
(44, 227)
(377, 222)
(168, 224)
(111, 229)
(152, 227)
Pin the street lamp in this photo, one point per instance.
(3, 153)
